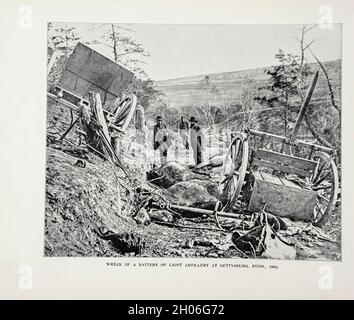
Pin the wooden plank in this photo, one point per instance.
(97, 110)
(107, 112)
(304, 106)
(76, 108)
(96, 106)
(271, 178)
(64, 82)
(257, 175)
(285, 139)
(261, 175)
(131, 112)
(98, 69)
(82, 86)
(282, 200)
(63, 102)
(280, 167)
(289, 183)
(115, 128)
(285, 159)
(72, 97)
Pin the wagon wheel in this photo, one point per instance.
(234, 170)
(125, 111)
(325, 182)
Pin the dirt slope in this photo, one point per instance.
(80, 199)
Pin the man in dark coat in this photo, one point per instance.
(197, 140)
(183, 128)
(161, 140)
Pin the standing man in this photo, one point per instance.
(197, 140)
(161, 140)
(183, 131)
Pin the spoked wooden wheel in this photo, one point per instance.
(234, 170)
(125, 111)
(325, 182)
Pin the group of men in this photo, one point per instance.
(191, 134)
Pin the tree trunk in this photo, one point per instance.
(114, 44)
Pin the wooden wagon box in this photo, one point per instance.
(281, 196)
(88, 70)
(300, 188)
(271, 174)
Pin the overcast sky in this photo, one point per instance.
(183, 50)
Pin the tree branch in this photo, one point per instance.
(331, 93)
(317, 135)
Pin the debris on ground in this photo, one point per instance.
(106, 195)
(263, 241)
(126, 242)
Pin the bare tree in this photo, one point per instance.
(125, 49)
(303, 47)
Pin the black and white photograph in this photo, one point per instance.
(193, 141)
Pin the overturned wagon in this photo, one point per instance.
(93, 87)
(291, 178)
(264, 169)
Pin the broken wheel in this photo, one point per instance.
(234, 169)
(326, 183)
(124, 112)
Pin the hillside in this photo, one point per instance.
(79, 200)
(185, 91)
(84, 199)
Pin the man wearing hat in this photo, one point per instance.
(197, 140)
(161, 139)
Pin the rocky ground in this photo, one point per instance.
(80, 199)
